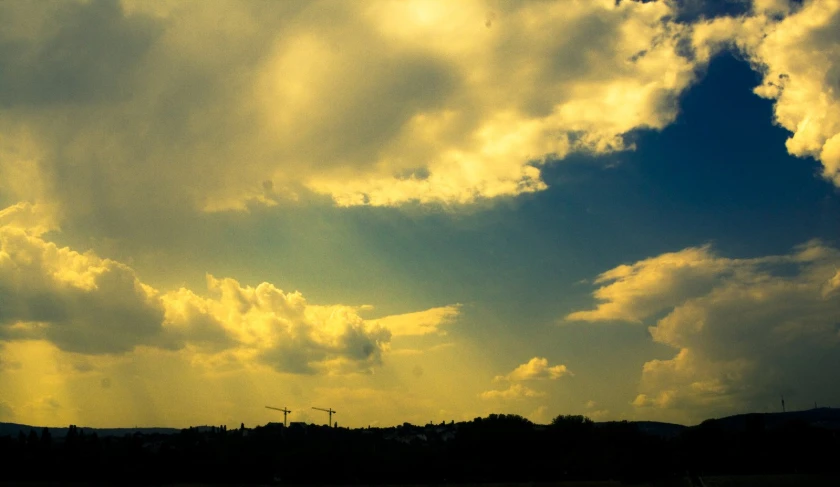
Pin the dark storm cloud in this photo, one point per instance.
(80, 53)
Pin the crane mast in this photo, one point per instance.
(285, 412)
(328, 410)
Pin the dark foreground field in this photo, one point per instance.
(711, 481)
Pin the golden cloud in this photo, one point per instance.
(514, 392)
(745, 329)
(796, 48)
(225, 106)
(535, 369)
(90, 305)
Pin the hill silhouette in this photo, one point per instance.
(496, 448)
(828, 418)
(13, 429)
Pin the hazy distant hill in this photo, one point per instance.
(13, 429)
(828, 418)
(656, 428)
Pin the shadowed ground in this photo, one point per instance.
(713, 481)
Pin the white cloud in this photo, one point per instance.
(515, 391)
(279, 329)
(223, 106)
(80, 302)
(637, 291)
(754, 328)
(35, 219)
(535, 369)
(420, 322)
(83, 303)
(797, 51)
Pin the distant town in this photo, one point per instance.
(496, 448)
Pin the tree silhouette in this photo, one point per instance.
(499, 448)
(46, 438)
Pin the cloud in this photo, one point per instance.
(83, 303)
(600, 414)
(797, 51)
(539, 415)
(593, 412)
(420, 322)
(6, 411)
(535, 369)
(744, 329)
(217, 106)
(515, 391)
(281, 329)
(48, 404)
(637, 291)
(6, 363)
(86, 57)
(80, 302)
(421, 351)
(35, 219)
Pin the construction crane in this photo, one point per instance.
(330, 411)
(285, 412)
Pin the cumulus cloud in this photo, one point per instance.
(796, 48)
(83, 303)
(225, 105)
(80, 302)
(6, 364)
(592, 411)
(535, 369)
(744, 329)
(540, 415)
(634, 292)
(281, 329)
(515, 391)
(35, 219)
(421, 322)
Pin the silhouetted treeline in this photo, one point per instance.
(498, 448)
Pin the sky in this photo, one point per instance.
(417, 210)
